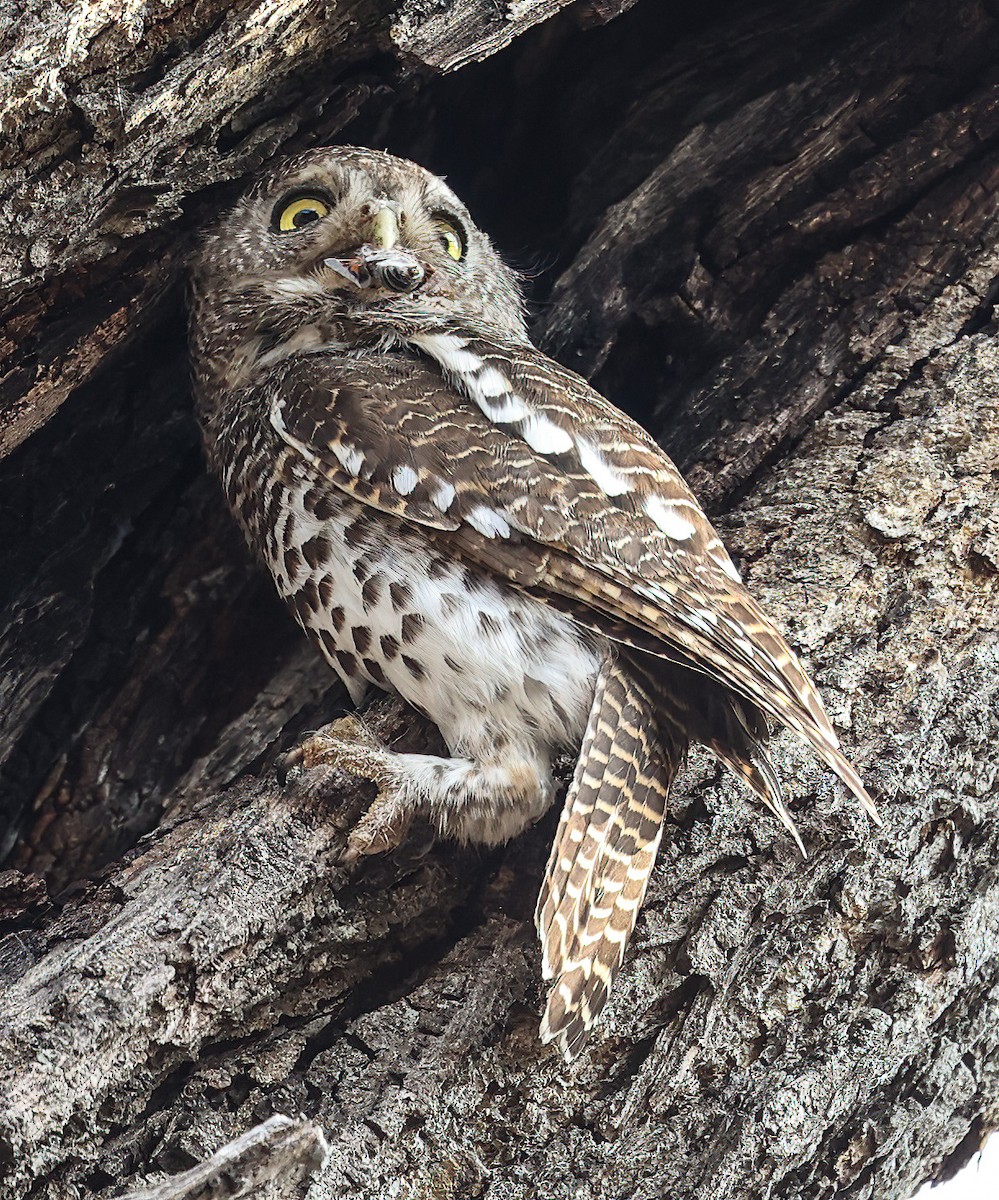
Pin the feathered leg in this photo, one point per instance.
(603, 852)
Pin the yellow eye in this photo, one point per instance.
(451, 239)
(302, 211)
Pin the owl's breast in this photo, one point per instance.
(387, 605)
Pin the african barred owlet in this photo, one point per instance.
(453, 516)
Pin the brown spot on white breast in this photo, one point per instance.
(400, 594)
(412, 625)
(416, 669)
(372, 590)
(361, 636)
(374, 669)
(389, 646)
(347, 662)
(317, 550)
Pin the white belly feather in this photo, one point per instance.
(490, 666)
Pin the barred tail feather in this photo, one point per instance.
(603, 853)
(735, 729)
(835, 758)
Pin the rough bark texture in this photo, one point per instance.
(275, 1158)
(771, 231)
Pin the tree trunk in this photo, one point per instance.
(769, 231)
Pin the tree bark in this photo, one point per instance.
(275, 1157)
(769, 231)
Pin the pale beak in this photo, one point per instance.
(385, 228)
(382, 262)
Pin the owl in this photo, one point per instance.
(454, 517)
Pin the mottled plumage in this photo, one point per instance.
(453, 516)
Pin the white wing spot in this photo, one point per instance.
(349, 457)
(511, 408)
(489, 388)
(728, 567)
(607, 478)
(450, 351)
(404, 479)
(668, 519)
(697, 621)
(545, 436)
(489, 383)
(488, 522)
(738, 635)
(443, 495)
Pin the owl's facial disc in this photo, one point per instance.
(344, 234)
(366, 233)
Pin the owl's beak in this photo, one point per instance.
(381, 261)
(385, 228)
(395, 269)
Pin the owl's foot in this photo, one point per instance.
(487, 801)
(382, 828)
(346, 744)
(349, 746)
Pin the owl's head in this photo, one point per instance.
(352, 235)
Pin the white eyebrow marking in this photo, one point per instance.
(545, 436)
(607, 478)
(668, 519)
(404, 479)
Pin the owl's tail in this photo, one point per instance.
(604, 851)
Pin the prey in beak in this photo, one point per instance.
(381, 262)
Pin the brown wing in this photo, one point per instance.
(528, 472)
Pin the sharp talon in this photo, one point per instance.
(288, 768)
(341, 744)
(381, 829)
(347, 745)
(350, 855)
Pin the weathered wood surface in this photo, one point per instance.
(771, 232)
(275, 1158)
(120, 117)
